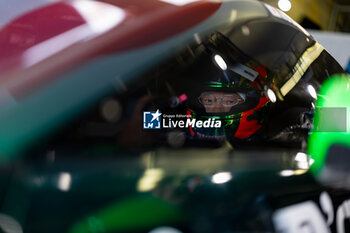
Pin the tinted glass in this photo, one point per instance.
(253, 82)
(250, 84)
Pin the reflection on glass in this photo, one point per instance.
(313, 105)
(150, 179)
(311, 161)
(245, 30)
(99, 16)
(179, 2)
(220, 62)
(165, 229)
(284, 5)
(301, 157)
(287, 173)
(64, 181)
(312, 91)
(9, 224)
(221, 177)
(111, 110)
(271, 95)
(303, 165)
(303, 162)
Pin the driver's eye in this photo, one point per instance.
(207, 101)
(228, 102)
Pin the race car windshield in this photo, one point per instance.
(225, 87)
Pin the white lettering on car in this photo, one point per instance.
(306, 217)
(343, 213)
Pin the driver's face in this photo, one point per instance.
(219, 102)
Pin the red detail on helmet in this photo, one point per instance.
(261, 70)
(247, 128)
(191, 130)
(183, 98)
(260, 80)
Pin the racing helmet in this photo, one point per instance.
(229, 89)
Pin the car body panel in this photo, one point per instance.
(71, 192)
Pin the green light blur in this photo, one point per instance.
(335, 93)
(217, 84)
(129, 215)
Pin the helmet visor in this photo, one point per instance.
(220, 102)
